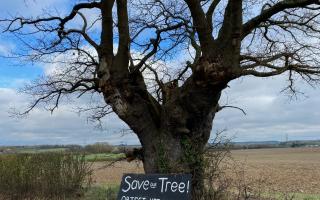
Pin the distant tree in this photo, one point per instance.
(126, 54)
(98, 148)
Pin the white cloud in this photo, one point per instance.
(3, 49)
(60, 63)
(6, 47)
(63, 126)
(270, 114)
(9, 82)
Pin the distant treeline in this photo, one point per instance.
(96, 148)
(56, 146)
(275, 144)
(104, 147)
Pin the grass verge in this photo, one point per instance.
(101, 193)
(100, 157)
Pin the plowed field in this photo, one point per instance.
(284, 170)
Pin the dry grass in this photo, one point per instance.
(283, 170)
(280, 170)
(112, 175)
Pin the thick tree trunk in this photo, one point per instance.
(173, 152)
(172, 156)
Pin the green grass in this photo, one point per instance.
(293, 196)
(101, 193)
(301, 196)
(34, 150)
(103, 157)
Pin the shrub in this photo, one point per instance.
(98, 148)
(217, 183)
(43, 175)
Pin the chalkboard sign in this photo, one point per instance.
(155, 187)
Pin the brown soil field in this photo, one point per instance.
(281, 170)
(285, 170)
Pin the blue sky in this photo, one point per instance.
(271, 115)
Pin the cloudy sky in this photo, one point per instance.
(271, 115)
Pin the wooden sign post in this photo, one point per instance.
(155, 187)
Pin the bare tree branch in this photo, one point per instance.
(267, 13)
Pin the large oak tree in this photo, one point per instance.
(126, 54)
